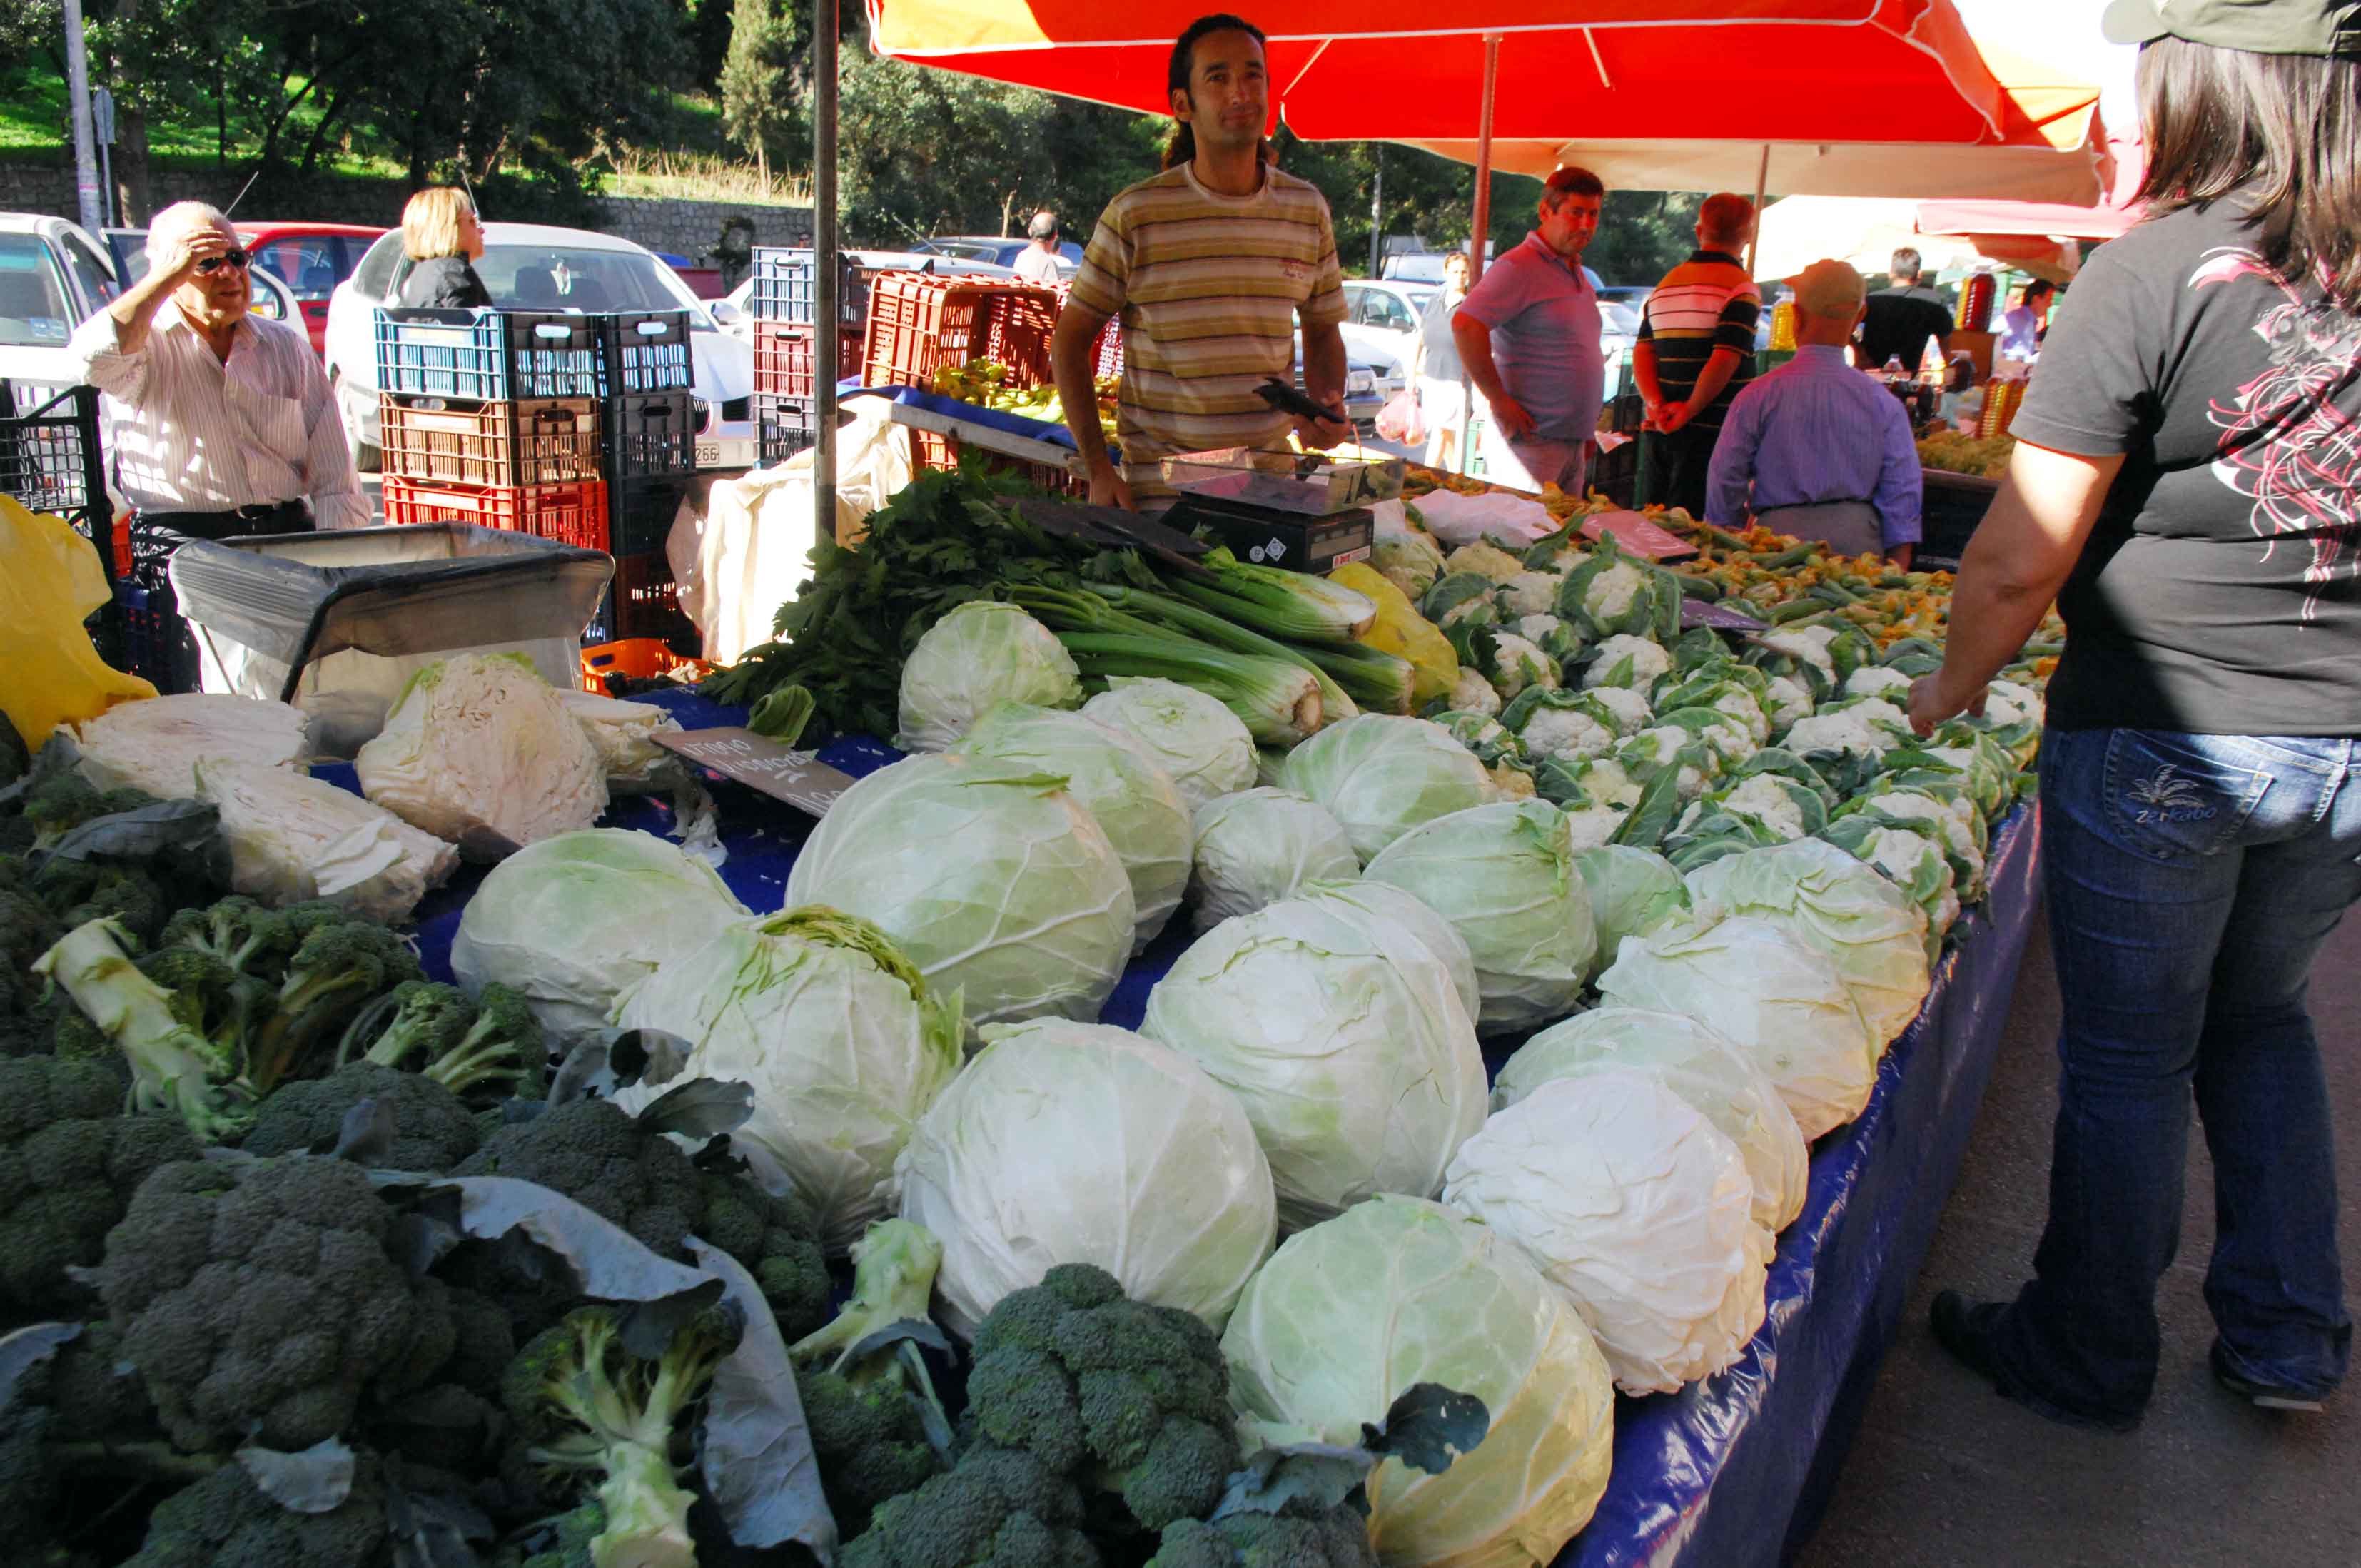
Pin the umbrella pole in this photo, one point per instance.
(1761, 179)
(826, 333)
(1483, 224)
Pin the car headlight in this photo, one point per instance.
(1359, 383)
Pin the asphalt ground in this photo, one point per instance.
(1945, 1474)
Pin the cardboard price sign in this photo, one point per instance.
(799, 778)
(1637, 535)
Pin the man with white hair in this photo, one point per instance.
(219, 423)
(1816, 449)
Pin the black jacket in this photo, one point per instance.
(445, 282)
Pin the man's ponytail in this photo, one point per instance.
(1183, 147)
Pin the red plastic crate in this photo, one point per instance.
(783, 359)
(1019, 323)
(544, 441)
(644, 601)
(1106, 352)
(572, 513)
(931, 452)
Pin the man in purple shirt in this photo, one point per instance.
(1528, 336)
(1816, 448)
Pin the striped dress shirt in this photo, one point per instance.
(1816, 430)
(191, 432)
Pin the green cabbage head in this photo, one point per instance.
(1382, 775)
(983, 653)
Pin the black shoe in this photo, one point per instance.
(2260, 1394)
(1965, 1328)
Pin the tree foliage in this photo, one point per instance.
(765, 79)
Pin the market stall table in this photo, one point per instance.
(1731, 1472)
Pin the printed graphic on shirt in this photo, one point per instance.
(2285, 444)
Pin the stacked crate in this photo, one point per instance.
(782, 303)
(573, 427)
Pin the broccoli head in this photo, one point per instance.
(1126, 1395)
(870, 1441)
(1332, 1538)
(493, 1042)
(431, 1131)
(249, 939)
(28, 926)
(260, 1300)
(998, 1508)
(99, 889)
(341, 965)
(175, 1065)
(226, 1521)
(69, 1164)
(589, 1407)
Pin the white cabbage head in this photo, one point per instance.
(292, 837)
(841, 1040)
(1638, 1208)
(1077, 1143)
(1381, 775)
(1393, 915)
(1206, 748)
(480, 739)
(1708, 1072)
(1118, 780)
(983, 653)
(153, 745)
(1867, 926)
(1776, 996)
(1345, 1040)
(1504, 876)
(572, 922)
(1258, 845)
(1351, 1314)
(997, 883)
(1632, 894)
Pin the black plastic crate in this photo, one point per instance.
(644, 351)
(643, 601)
(651, 433)
(49, 455)
(640, 515)
(489, 355)
(784, 289)
(783, 427)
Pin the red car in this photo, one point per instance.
(311, 259)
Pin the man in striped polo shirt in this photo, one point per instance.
(1696, 352)
(1211, 265)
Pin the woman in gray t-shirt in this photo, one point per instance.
(1435, 368)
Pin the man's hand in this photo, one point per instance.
(1932, 701)
(1902, 555)
(1670, 417)
(1320, 434)
(1509, 415)
(1108, 488)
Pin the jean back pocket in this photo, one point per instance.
(2171, 796)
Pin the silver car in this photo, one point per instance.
(536, 267)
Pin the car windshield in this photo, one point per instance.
(554, 277)
(1620, 316)
(311, 265)
(33, 309)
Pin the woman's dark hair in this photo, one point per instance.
(1183, 147)
(2281, 130)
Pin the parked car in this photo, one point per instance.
(54, 276)
(311, 259)
(536, 267)
(1381, 318)
(1001, 250)
(1369, 380)
(270, 299)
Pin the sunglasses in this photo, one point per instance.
(233, 256)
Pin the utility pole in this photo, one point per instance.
(85, 151)
(826, 333)
(102, 117)
(1378, 217)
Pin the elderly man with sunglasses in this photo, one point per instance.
(219, 423)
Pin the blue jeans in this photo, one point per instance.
(2191, 880)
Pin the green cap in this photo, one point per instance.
(2259, 26)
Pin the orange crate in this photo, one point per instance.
(572, 513)
(783, 358)
(636, 659)
(544, 441)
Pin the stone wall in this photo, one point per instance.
(681, 227)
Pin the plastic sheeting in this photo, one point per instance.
(1732, 1471)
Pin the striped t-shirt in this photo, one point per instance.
(1210, 289)
(1707, 303)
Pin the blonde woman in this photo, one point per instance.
(1434, 367)
(441, 235)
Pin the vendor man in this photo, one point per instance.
(1528, 336)
(220, 423)
(1816, 448)
(1211, 264)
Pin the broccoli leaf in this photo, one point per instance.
(1320, 1474)
(701, 1108)
(1429, 1427)
(757, 1456)
(315, 1481)
(149, 830)
(915, 1330)
(647, 1329)
(29, 1348)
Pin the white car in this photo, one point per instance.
(523, 266)
(1381, 318)
(55, 274)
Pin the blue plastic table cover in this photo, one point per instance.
(1731, 1472)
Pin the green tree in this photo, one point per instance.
(764, 78)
